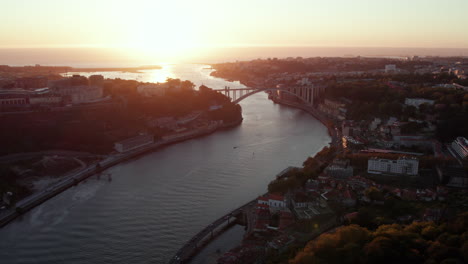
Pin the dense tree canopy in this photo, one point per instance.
(419, 242)
(96, 128)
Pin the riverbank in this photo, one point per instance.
(194, 245)
(203, 238)
(73, 178)
(111, 69)
(333, 131)
(169, 194)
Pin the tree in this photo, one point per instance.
(374, 194)
(381, 250)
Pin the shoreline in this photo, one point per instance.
(111, 69)
(191, 253)
(73, 178)
(329, 124)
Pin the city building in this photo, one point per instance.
(153, 89)
(77, 89)
(308, 93)
(83, 94)
(31, 82)
(96, 80)
(390, 68)
(13, 100)
(299, 200)
(374, 124)
(133, 143)
(460, 146)
(75, 80)
(286, 219)
(276, 202)
(340, 169)
(349, 142)
(45, 99)
(416, 102)
(457, 177)
(22, 98)
(262, 218)
(334, 109)
(349, 198)
(403, 166)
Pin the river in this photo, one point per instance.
(153, 204)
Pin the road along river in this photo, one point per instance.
(155, 203)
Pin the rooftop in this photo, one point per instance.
(462, 141)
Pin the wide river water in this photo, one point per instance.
(155, 203)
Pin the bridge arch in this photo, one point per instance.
(269, 89)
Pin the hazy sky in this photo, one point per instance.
(172, 26)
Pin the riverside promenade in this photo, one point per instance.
(78, 175)
(202, 238)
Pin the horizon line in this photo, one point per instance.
(224, 46)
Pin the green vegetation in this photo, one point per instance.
(18, 177)
(291, 180)
(419, 242)
(95, 128)
(298, 177)
(375, 98)
(9, 183)
(263, 68)
(371, 216)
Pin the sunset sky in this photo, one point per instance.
(177, 26)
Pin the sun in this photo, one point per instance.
(166, 37)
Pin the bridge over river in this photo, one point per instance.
(307, 94)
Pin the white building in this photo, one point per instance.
(78, 89)
(460, 146)
(275, 202)
(339, 169)
(22, 97)
(80, 93)
(374, 124)
(390, 68)
(133, 143)
(416, 102)
(405, 166)
(45, 99)
(304, 81)
(13, 101)
(85, 94)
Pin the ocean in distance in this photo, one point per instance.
(109, 57)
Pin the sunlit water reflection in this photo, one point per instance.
(155, 203)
